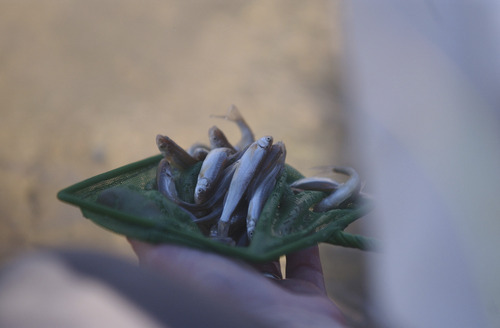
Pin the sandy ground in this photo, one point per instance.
(85, 86)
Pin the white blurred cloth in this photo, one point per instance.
(43, 291)
(423, 81)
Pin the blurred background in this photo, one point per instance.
(85, 86)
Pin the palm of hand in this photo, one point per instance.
(233, 287)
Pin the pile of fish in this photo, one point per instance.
(235, 181)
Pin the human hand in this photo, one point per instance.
(300, 300)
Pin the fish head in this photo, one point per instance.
(200, 191)
(283, 151)
(165, 168)
(199, 153)
(265, 142)
(217, 137)
(163, 143)
(279, 148)
(214, 134)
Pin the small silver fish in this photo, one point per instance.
(210, 172)
(211, 205)
(343, 193)
(247, 136)
(277, 150)
(218, 139)
(237, 227)
(175, 155)
(222, 187)
(198, 151)
(199, 154)
(315, 183)
(208, 219)
(264, 186)
(247, 166)
(165, 181)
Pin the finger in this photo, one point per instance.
(140, 248)
(204, 271)
(167, 257)
(305, 266)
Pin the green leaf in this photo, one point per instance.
(124, 201)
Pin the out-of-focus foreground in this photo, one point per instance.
(85, 86)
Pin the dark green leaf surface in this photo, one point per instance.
(124, 201)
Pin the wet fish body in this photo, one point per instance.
(218, 139)
(165, 181)
(198, 151)
(264, 188)
(246, 169)
(247, 136)
(315, 183)
(343, 193)
(174, 154)
(277, 150)
(210, 172)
